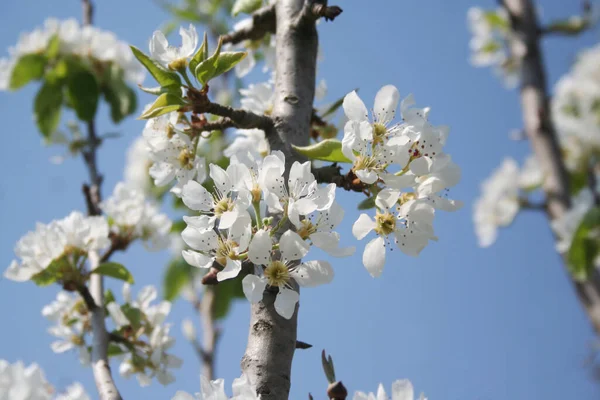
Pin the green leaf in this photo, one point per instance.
(120, 97)
(51, 273)
(496, 21)
(245, 6)
(114, 270)
(109, 297)
(115, 350)
(178, 226)
(53, 47)
(47, 107)
(225, 293)
(82, 91)
(328, 367)
(367, 203)
(163, 76)
(27, 68)
(157, 90)
(133, 314)
(177, 275)
(326, 150)
(571, 26)
(205, 70)
(201, 55)
(165, 103)
(228, 60)
(585, 246)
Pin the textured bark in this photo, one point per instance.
(210, 334)
(272, 338)
(542, 136)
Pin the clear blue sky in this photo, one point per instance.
(460, 322)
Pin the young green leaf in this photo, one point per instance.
(163, 76)
(82, 91)
(47, 107)
(585, 246)
(201, 55)
(50, 274)
(53, 47)
(27, 68)
(326, 150)
(177, 275)
(228, 60)
(205, 70)
(120, 97)
(165, 103)
(114, 270)
(367, 203)
(245, 6)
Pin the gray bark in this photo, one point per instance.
(272, 338)
(542, 135)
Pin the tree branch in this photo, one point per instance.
(332, 174)
(542, 136)
(263, 22)
(241, 118)
(315, 9)
(220, 125)
(272, 339)
(210, 334)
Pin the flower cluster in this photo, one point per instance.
(67, 241)
(172, 151)
(576, 111)
(88, 42)
(141, 325)
(137, 165)
(566, 226)
(224, 234)
(502, 195)
(491, 43)
(215, 390)
(404, 165)
(132, 217)
(401, 390)
(71, 323)
(29, 383)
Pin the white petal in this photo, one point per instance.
(181, 395)
(61, 346)
(228, 219)
(420, 166)
(231, 270)
(374, 256)
(212, 389)
(354, 108)
(363, 225)
(402, 390)
(387, 198)
(259, 251)
(196, 197)
(313, 273)
(285, 302)
(196, 259)
(292, 247)
(189, 41)
(117, 314)
(329, 241)
(386, 103)
(221, 179)
(199, 240)
(367, 176)
(254, 288)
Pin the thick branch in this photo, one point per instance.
(315, 9)
(542, 136)
(210, 333)
(220, 125)
(272, 338)
(263, 22)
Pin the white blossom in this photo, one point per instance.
(258, 98)
(248, 140)
(172, 56)
(242, 388)
(401, 390)
(137, 166)
(280, 272)
(18, 382)
(566, 225)
(71, 236)
(134, 217)
(498, 204)
(75, 391)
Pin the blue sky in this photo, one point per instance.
(459, 321)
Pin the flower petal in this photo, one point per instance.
(259, 251)
(313, 273)
(196, 197)
(196, 259)
(402, 389)
(254, 288)
(363, 225)
(231, 270)
(387, 198)
(285, 302)
(386, 103)
(374, 256)
(292, 247)
(354, 108)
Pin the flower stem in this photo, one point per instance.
(256, 206)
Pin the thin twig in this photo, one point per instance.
(263, 22)
(332, 174)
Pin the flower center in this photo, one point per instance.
(186, 159)
(307, 229)
(385, 223)
(178, 64)
(256, 193)
(223, 205)
(365, 162)
(277, 274)
(77, 340)
(170, 131)
(405, 197)
(225, 250)
(379, 132)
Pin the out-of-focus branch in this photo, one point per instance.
(263, 22)
(332, 174)
(315, 9)
(542, 135)
(107, 390)
(210, 333)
